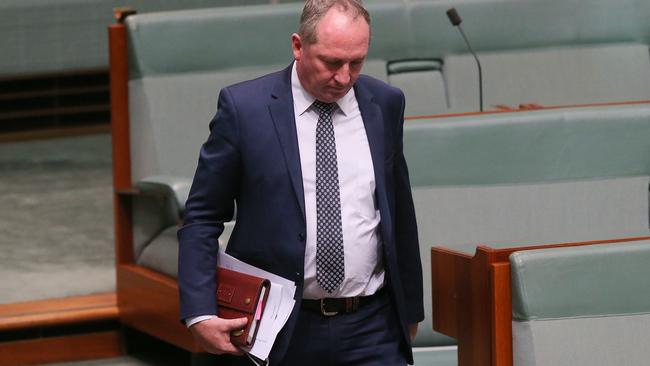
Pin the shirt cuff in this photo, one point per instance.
(196, 319)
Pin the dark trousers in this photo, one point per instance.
(370, 336)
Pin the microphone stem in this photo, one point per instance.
(480, 71)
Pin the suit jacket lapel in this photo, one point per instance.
(373, 121)
(281, 109)
(282, 114)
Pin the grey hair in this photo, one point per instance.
(315, 10)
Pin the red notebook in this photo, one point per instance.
(240, 295)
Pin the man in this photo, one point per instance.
(312, 156)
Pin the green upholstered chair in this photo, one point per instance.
(518, 179)
(582, 306)
(176, 72)
(531, 177)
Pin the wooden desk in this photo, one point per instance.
(472, 302)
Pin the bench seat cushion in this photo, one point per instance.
(584, 341)
(162, 253)
(585, 305)
(435, 356)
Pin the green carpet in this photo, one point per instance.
(56, 218)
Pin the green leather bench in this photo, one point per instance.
(65, 35)
(528, 177)
(583, 59)
(519, 178)
(534, 177)
(68, 35)
(582, 306)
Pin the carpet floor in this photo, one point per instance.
(56, 218)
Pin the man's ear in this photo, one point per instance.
(296, 46)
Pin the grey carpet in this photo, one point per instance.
(56, 218)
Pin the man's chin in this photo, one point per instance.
(334, 96)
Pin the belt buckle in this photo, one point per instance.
(325, 312)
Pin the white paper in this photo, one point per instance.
(278, 305)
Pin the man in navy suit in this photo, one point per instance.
(312, 157)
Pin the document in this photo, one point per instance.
(276, 312)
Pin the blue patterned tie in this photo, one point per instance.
(330, 266)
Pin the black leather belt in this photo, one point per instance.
(339, 305)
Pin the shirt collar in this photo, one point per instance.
(303, 100)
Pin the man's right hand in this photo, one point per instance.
(214, 334)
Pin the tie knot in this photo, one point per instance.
(323, 107)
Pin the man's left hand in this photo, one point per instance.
(413, 330)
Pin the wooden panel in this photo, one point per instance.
(503, 255)
(48, 133)
(55, 111)
(123, 227)
(119, 70)
(61, 349)
(500, 109)
(501, 299)
(61, 311)
(148, 301)
(448, 277)
(475, 316)
(119, 73)
(461, 292)
(64, 91)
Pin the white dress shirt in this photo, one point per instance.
(364, 270)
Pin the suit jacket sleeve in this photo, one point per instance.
(406, 232)
(209, 205)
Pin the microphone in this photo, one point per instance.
(455, 20)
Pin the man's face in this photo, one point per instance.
(329, 68)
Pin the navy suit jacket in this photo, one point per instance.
(251, 157)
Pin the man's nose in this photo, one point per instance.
(343, 75)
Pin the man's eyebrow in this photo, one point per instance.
(330, 59)
(339, 60)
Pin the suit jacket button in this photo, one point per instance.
(301, 237)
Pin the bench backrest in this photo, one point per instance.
(586, 305)
(528, 178)
(547, 52)
(70, 35)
